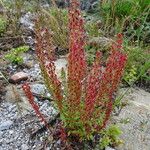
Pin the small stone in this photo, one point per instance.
(100, 42)
(1, 141)
(38, 88)
(11, 132)
(47, 148)
(1, 133)
(20, 76)
(109, 148)
(24, 147)
(48, 95)
(5, 125)
(59, 142)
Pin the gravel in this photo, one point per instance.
(16, 127)
(5, 125)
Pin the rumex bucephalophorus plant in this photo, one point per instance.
(84, 96)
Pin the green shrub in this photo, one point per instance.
(137, 64)
(14, 55)
(92, 29)
(110, 136)
(131, 75)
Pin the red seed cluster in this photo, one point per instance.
(93, 85)
(45, 51)
(30, 97)
(76, 60)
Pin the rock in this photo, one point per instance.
(60, 63)
(17, 137)
(89, 5)
(38, 88)
(6, 125)
(134, 120)
(47, 148)
(20, 76)
(26, 21)
(15, 95)
(100, 42)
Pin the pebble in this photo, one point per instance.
(109, 148)
(18, 137)
(6, 125)
(24, 147)
(1, 133)
(19, 76)
(38, 88)
(11, 132)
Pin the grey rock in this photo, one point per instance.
(100, 42)
(38, 88)
(89, 5)
(11, 107)
(48, 148)
(134, 120)
(58, 142)
(26, 21)
(6, 125)
(21, 101)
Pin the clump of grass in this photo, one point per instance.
(3, 25)
(56, 20)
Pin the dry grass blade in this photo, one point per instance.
(56, 20)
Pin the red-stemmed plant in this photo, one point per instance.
(84, 96)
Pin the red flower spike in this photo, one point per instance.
(63, 134)
(76, 60)
(45, 52)
(93, 84)
(29, 95)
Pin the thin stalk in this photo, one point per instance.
(1, 74)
